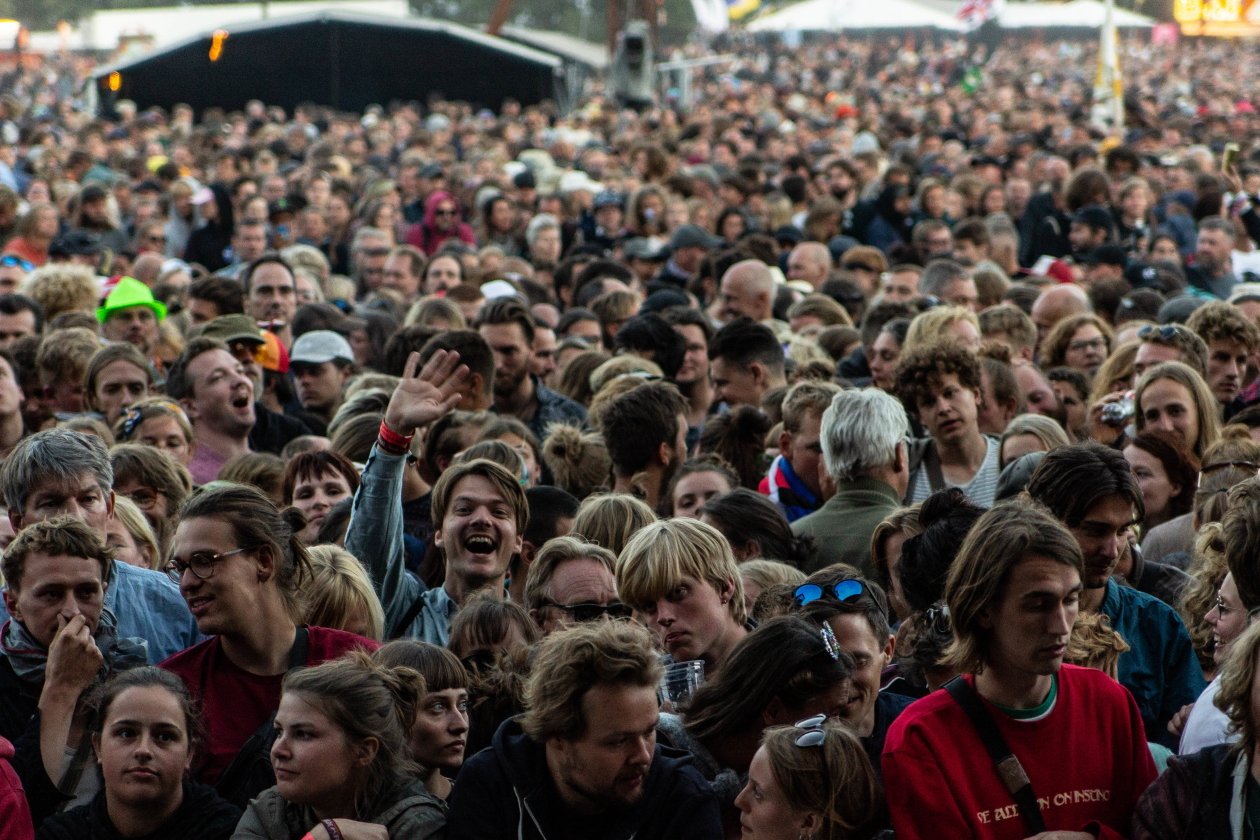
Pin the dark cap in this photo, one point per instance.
(1107, 255)
(281, 206)
(525, 180)
(92, 192)
(608, 198)
(75, 243)
(1177, 310)
(788, 234)
(432, 170)
(664, 299)
(692, 236)
(1094, 216)
(229, 328)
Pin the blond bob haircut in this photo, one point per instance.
(1001, 539)
(658, 557)
(571, 662)
(507, 485)
(1234, 696)
(1204, 400)
(339, 588)
(834, 780)
(611, 519)
(556, 552)
(130, 516)
(929, 327)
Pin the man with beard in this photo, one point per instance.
(271, 295)
(131, 314)
(1090, 488)
(215, 391)
(508, 328)
(646, 432)
(583, 760)
(1213, 269)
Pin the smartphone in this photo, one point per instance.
(1230, 157)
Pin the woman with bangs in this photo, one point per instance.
(314, 482)
(1173, 397)
(681, 576)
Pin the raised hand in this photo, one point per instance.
(420, 399)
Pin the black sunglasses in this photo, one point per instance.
(583, 613)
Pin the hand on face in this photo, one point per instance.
(73, 658)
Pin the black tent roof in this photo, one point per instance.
(346, 60)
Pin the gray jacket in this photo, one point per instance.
(409, 813)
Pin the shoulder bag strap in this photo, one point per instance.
(1009, 770)
(932, 464)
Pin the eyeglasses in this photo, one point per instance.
(444, 213)
(1220, 607)
(583, 613)
(846, 591)
(11, 260)
(1099, 343)
(201, 564)
(812, 732)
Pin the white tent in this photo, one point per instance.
(1087, 14)
(837, 15)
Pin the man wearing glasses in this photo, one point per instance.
(1069, 742)
(572, 582)
(584, 753)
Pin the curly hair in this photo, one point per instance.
(919, 371)
(1217, 320)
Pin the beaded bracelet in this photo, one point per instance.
(334, 833)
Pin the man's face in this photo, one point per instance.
(546, 247)
(369, 260)
(949, 411)
(1213, 251)
(1150, 354)
(442, 274)
(901, 286)
(802, 266)
(512, 355)
(968, 252)
(962, 292)
(135, 325)
(1226, 366)
(398, 277)
(319, 386)
(272, 294)
(937, 244)
(80, 497)
(55, 590)
(606, 769)
(804, 452)
(1103, 535)
(870, 655)
(1168, 406)
(1037, 392)
(543, 352)
(223, 395)
(1085, 237)
(201, 311)
(11, 277)
(695, 364)
(735, 384)
(579, 581)
(13, 327)
(478, 532)
(739, 300)
(250, 242)
(1030, 623)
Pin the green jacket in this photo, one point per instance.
(842, 527)
(409, 813)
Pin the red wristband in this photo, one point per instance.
(392, 439)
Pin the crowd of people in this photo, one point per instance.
(870, 448)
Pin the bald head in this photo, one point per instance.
(748, 291)
(1056, 303)
(146, 269)
(811, 262)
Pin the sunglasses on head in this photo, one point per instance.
(846, 591)
(1168, 332)
(11, 260)
(583, 613)
(812, 732)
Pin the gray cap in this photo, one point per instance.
(319, 346)
(1177, 310)
(692, 236)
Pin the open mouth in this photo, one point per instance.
(480, 544)
(199, 604)
(241, 401)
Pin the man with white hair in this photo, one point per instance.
(863, 439)
(811, 262)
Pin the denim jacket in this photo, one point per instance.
(375, 536)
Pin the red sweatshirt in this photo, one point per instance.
(1087, 759)
(15, 814)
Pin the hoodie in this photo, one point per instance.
(425, 234)
(505, 791)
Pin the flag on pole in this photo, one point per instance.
(738, 9)
(1108, 108)
(973, 14)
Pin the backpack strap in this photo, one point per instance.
(1008, 768)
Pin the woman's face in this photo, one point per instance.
(1228, 619)
(1152, 479)
(1169, 406)
(118, 385)
(691, 619)
(994, 202)
(165, 434)
(892, 562)
(694, 489)
(732, 227)
(315, 763)
(526, 452)
(125, 547)
(764, 812)
(883, 362)
(338, 211)
(934, 202)
(143, 749)
(1166, 250)
(1073, 404)
(1016, 446)
(1086, 350)
(441, 729)
(315, 497)
(1134, 204)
